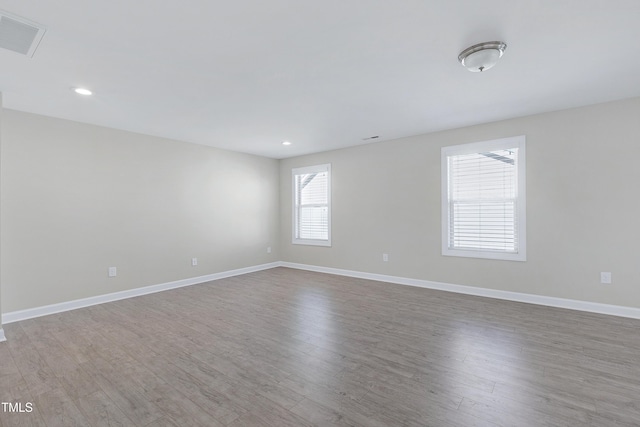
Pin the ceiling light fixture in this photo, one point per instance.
(82, 91)
(482, 56)
(286, 143)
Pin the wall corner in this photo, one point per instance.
(2, 337)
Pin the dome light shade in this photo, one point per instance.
(481, 57)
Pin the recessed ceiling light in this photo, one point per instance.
(286, 143)
(82, 91)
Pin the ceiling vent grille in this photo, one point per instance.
(19, 35)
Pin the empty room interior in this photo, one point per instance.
(319, 214)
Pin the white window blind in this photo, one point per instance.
(484, 199)
(311, 205)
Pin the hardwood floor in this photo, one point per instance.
(284, 347)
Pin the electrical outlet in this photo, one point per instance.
(605, 277)
(268, 249)
(113, 272)
(194, 261)
(385, 257)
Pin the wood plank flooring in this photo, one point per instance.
(284, 347)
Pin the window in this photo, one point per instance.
(483, 199)
(312, 205)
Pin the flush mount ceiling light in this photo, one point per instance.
(82, 91)
(286, 143)
(482, 56)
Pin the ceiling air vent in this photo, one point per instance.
(19, 35)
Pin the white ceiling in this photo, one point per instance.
(246, 75)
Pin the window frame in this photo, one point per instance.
(301, 171)
(517, 142)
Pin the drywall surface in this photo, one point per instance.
(78, 199)
(1, 111)
(582, 207)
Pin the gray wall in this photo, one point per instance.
(582, 207)
(77, 199)
(1, 114)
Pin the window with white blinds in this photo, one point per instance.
(312, 205)
(483, 199)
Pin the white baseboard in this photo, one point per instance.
(593, 307)
(2, 337)
(30, 313)
(613, 310)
